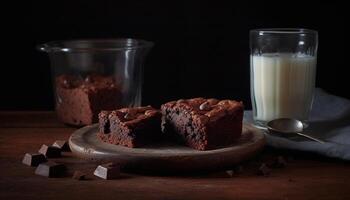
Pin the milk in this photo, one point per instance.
(282, 85)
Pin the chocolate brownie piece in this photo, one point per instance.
(130, 127)
(203, 124)
(78, 101)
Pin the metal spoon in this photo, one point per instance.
(287, 127)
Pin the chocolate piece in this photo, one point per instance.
(33, 159)
(50, 151)
(79, 101)
(107, 171)
(230, 173)
(130, 127)
(264, 170)
(203, 124)
(79, 175)
(63, 145)
(50, 169)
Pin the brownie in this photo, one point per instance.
(203, 124)
(78, 100)
(130, 127)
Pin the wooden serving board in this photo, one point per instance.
(166, 157)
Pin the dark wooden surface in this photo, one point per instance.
(306, 176)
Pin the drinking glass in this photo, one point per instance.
(282, 73)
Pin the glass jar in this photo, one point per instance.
(93, 75)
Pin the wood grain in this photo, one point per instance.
(39, 119)
(307, 177)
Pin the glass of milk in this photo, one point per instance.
(282, 73)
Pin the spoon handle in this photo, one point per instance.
(311, 138)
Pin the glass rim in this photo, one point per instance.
(284, 31)
(125, 44)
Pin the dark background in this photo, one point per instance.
(201, 48)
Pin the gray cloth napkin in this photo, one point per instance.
(329, 120)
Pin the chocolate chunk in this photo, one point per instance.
(264, 170)
(107, 171)
(230, 173)
(61, 144)
(33, 159)
(50, 151)
(79, 175)
(50, 169)
(280, 162)
(205, 106)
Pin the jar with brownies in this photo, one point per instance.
(93, 75)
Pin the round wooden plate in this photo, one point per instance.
(166, 157)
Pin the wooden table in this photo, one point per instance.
(306, 177)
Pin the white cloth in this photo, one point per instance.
(329, 120)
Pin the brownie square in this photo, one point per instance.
(78, 101)
(130, 127)
(203, 124)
